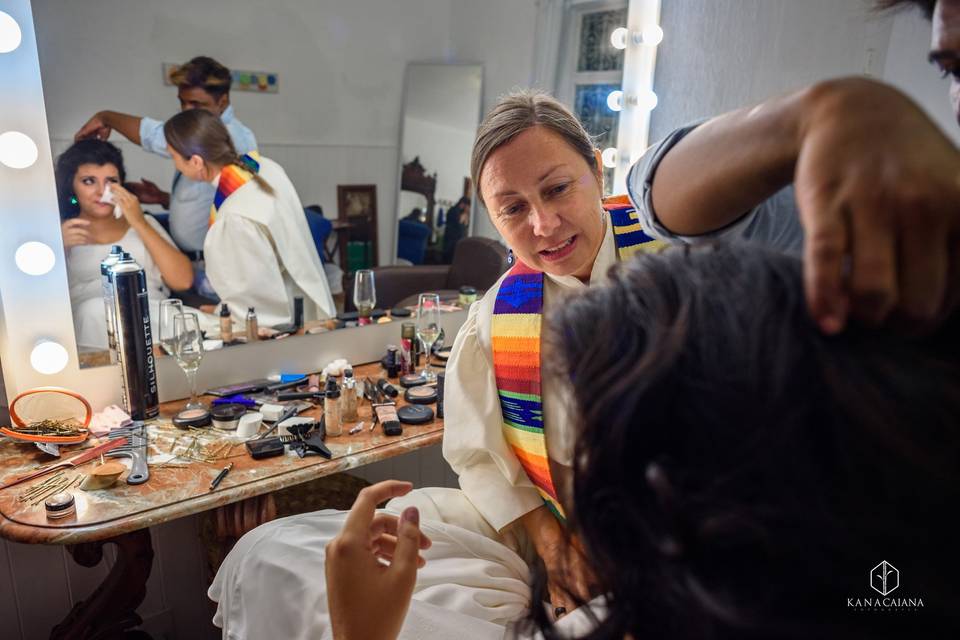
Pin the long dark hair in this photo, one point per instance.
(98, 152)
(737, 473)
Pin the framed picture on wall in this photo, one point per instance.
(357, 212)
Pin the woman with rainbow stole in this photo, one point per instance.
(258, 250)
(507, 437)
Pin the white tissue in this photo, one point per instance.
(336, 367)
(107, 198)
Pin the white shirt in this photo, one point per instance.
(473, 442)
(259, 253)
(86, 288)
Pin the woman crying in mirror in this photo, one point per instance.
(97, 212)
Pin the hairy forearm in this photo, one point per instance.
(728, 165)
(128, 126)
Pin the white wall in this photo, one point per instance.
(724, 54)
(336, 119)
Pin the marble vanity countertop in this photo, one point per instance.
(182, 486)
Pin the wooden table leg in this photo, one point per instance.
(111, 610)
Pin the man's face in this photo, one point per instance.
(945, 47)
(198, 98)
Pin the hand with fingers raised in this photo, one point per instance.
(374, 559)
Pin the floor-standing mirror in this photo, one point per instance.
(441, 110)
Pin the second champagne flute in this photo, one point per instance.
(364, 294)
(169, 309)
(428, 327)
(188, 349)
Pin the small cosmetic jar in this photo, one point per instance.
(60, 505)
(412, 380)
(415, 414)
(249, 424)
(227, 416)
(421, 395)
(192, 418)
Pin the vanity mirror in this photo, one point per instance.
(101, 55)
(441, 111)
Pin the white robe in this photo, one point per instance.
(259, 253)
(474, 584)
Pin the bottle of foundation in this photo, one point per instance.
(226, 324)
(331, 411)
(253, 330)
(348, 398)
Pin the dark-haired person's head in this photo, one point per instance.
(203, 83)
(944, 41)
(82, 173)
(738, 474)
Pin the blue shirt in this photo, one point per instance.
(190, 200)
(774, 223)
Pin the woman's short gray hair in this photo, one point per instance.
(516, 112)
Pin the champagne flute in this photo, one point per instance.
(364, 293)
(188, 349)
(169, 309)
(428, 327)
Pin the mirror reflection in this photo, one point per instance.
(441, 111)
(254, 223)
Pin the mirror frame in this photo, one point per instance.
(34, 308)
(400, 163)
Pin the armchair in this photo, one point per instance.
(477, 262)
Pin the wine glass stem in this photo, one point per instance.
(429, 348)
(192, 381)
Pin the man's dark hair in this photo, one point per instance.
(926, 6)
(737, 473)
(204, 73)
(98, 152)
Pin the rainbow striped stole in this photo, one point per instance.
(232, 178)
(517, 320)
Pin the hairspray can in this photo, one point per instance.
(105, 278)
(134, 339)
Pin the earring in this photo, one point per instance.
(73, 200)
(510, 257)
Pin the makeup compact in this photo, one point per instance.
(412, 380)
(249, 424)
(192, 418)
(421, 395)
(415, 414)
(60, 505)
(227, 416)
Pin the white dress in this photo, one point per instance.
(86, 290)
(476, 577)
(259, 253)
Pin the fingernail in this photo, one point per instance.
(411, 515)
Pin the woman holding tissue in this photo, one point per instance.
(258, 250)
(97, 212)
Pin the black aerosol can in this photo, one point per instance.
(105, 277)
(138, 367)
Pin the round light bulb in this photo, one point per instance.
(652, 35)
(609, 157)
(17, 150)
(34, 258)
(615, 100)
(619, 38)
(10, 35)
(647, 100)
(49, 357)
